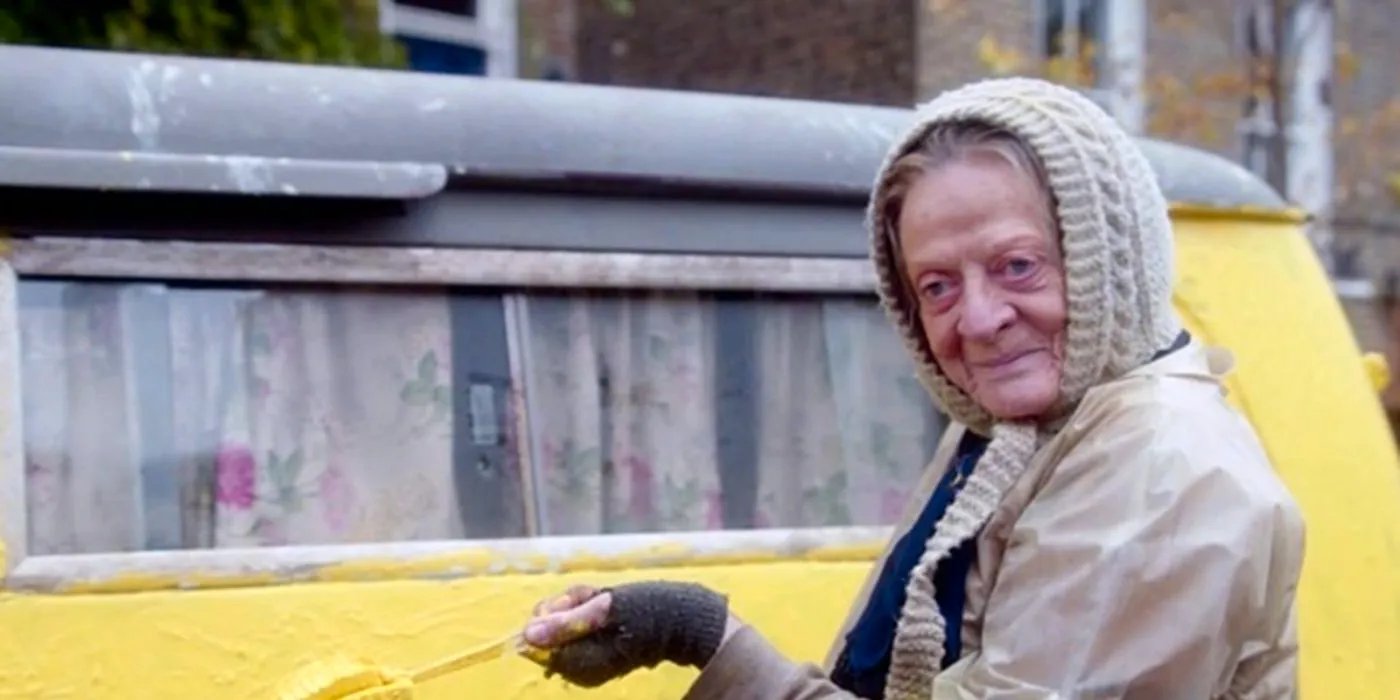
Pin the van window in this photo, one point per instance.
(674, 411)
(162, 416)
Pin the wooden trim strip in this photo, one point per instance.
(228, 568)
(236, 262)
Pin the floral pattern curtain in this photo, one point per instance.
(160, 417)
(843, 427)
(292, 417)
(846, 429)
(623, 413)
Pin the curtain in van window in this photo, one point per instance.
(845, 428)
(684, 412)
(161, 418)
(84, 490)
(621, 407)
(317, 440)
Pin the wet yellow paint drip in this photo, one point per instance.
(533, 653)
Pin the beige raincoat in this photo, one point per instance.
(1132, 544)
(1172, 578)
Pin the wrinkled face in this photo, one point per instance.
(985, 263)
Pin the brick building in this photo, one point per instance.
(1192, 61)
(1190, 58)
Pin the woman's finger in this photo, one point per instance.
(556, 628)
(574, 596)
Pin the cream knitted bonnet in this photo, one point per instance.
(1117, 243)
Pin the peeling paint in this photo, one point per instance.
(249, 174)
(145, 120)
(245, 174)
(148, 87)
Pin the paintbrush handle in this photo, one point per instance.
(466, 659)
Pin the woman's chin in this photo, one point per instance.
(1023, 398)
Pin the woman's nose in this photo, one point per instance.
(984, 313)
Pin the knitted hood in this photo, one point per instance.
(1116, 239)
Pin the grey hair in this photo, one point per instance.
(946, 143)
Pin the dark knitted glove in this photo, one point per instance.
(647, 623)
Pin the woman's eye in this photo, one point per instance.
(1019, 267)
(936, 288)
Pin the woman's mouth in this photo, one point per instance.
(1004, 362)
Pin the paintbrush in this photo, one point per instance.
(343, 678)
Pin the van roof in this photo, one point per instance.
(156, 122)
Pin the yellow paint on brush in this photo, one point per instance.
(1247, 281)
(342, 678)
(539, 656)
(335, 678)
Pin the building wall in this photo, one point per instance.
(1195, 64)
(954, 37)
(841, 50)
(1368, 139)
(548, 37)
(1194, 74)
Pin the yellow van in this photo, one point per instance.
(302, 361)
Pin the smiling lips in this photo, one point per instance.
(1005, 362)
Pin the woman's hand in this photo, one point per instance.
(580, 611)
(597, 635)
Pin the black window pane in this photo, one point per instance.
(465, 8)
(431, 56)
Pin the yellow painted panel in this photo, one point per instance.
(1257, 289)
(1252, 286)
(236, 643)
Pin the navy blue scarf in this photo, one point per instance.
(865, 662)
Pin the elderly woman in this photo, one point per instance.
(1098, 524)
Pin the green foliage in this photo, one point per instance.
(344, 32)
(621, 7)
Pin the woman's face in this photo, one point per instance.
(979, 248)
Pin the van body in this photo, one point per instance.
(303, 361)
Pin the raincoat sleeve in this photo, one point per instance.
(747, 667)
(1159, 560)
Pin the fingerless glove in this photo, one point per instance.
(648, 623)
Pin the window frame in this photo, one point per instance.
(121, 259)
(1070, 10)
(494, 30)
(1120, 38)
